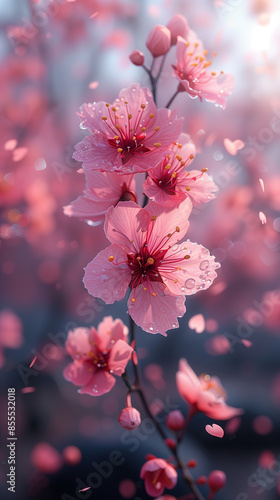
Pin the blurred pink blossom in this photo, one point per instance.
(158, 474)
(204, 393)
(97, 356)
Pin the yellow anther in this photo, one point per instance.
(129, 116)
(205, 52)
(188, 174)
(204, 170)
(154, 294)
(133, 300)
(178, 269)
(134, 138)
(153, 217)
(214, 53)
(221, 72)
(213, 73)
(114, 109)
(191, 157)
(104, 118)
(111, 258)
(190, 53)
(151, 115)
(119, 150)
(143, 129)
(169, 235)
(183, 163)
(187, 44)
(156, 128)
(168, 156)
(168, 166)
(179, 146)
(188, 188)
(116, 138)
(143, 106)
(196, 44)
(131, 241)
(150, 261)
(144, 288)
(187, 257)
(125, 102)
(176, 281)
(173, 175)
(179, 157)
(118, 126)
(194, 64)
(107, 104)
(177, 229)
(157, 144)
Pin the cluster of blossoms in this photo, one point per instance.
(146, 255)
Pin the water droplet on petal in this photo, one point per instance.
(204, 265)
(190, 283)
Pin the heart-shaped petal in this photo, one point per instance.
(197, 323)
(215, 430)
(233, 147)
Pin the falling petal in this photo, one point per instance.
(10, 145)
(85, 489)
(215, 430)
(233, 147)
(19, 154)
(197, 323)
(262, 217)
(93, 85)
(247, 343)
(262, 184)
(27, 390)
(32, 362)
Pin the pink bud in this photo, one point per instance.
(175, 420)
(158, 41)
(129, 418)
(171, 443)
(192, 463)
(216, 480)
(201, 480)
(137, 58)
(178, 26)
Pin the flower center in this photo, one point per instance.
(144, 267)
(100, 359)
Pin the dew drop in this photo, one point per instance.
(190, 283)
(204, 265)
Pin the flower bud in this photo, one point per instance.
(137, 58)
(175, 420)
(178, 26)
(216, 480)
(129, 418)
(201, 480)
(158, 41)
(171, 443)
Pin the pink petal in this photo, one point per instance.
(79, 372)
(93, 85)
(126, 225)
(202, 187)
(109, 331)
(187, 389)
(167, 221)
(197, 323)
(233, 147)
(247, 342)
(215, 430)
(100, 383)
(77, 343)
(194, 274)
(119, 357)
(10, 145)
(27, 390)
(156, 314)
(105, 279)
(32, 362)
(262, 217)
(19, 154)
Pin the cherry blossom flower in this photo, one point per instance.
(169, 182)
(129, 136)
(97, 356)
(158, 474)
(192, 70)
(145, 257)
(103, 189)
(204, 393)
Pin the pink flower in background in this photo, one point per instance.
(10, 332)
(192, 70)
(158, 474)
(103, 189)
(145, 257)
(178, 26)
(204, 393)
(98, 355)
(129, 136)
(169, 182)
